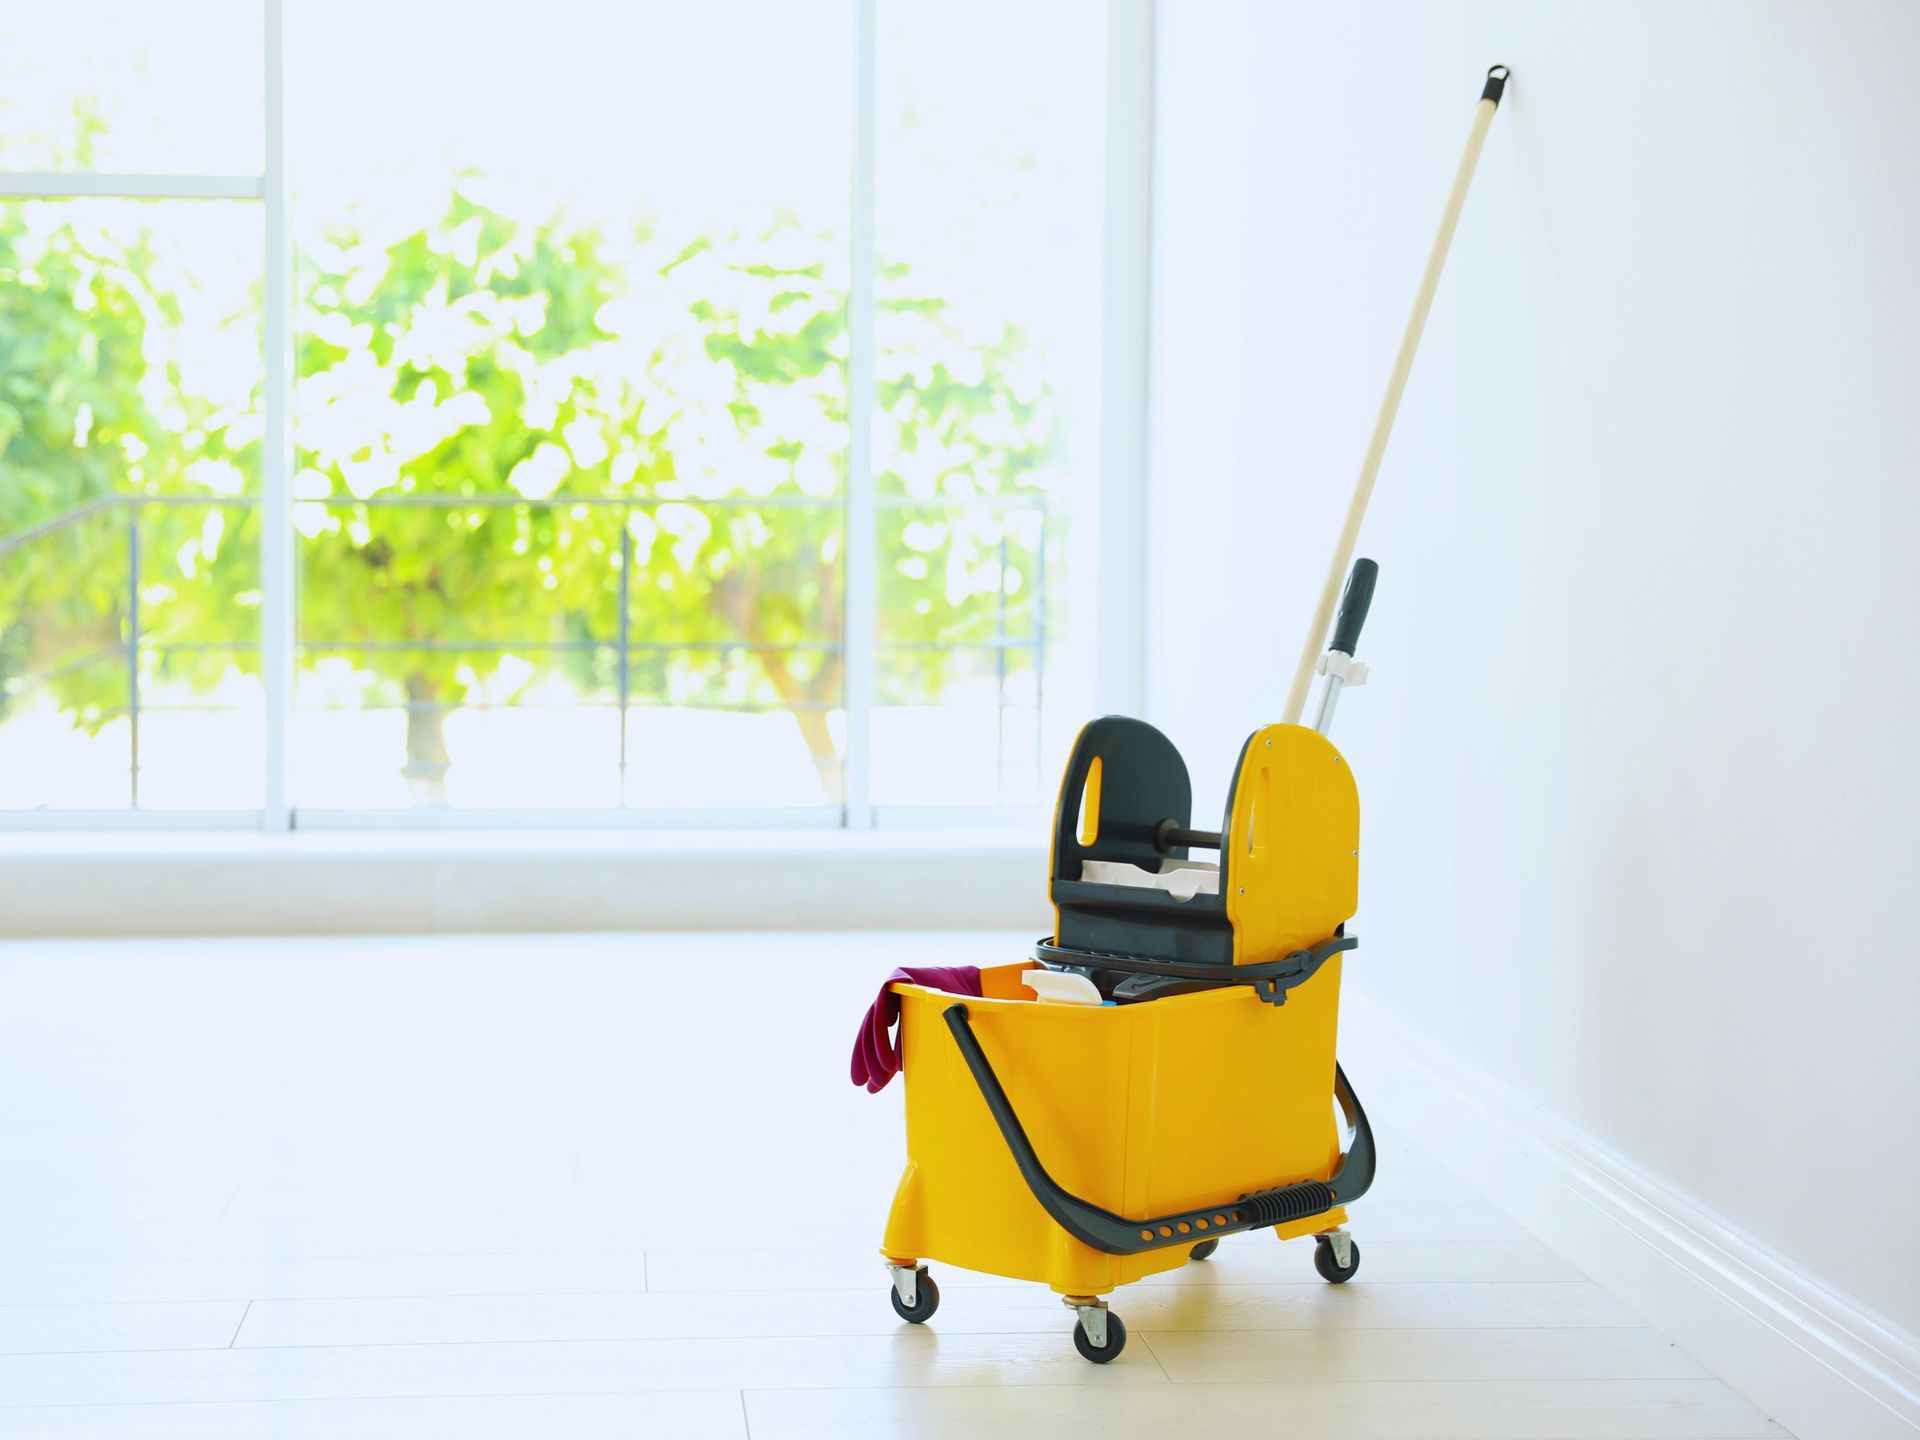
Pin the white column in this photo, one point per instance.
(1120, 513)
(276, 451)
(862, 534)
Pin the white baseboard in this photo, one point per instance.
(1820, 1363)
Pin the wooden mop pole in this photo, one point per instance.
(1390, 402)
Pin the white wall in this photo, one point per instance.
(1639, 759)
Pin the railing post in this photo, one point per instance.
(1000, 670)
(1039, 643)
(626, 589)
(133, 656)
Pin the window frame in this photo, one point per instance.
(1110, 542)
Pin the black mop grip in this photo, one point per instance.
(1353, 606)
(1496, 84)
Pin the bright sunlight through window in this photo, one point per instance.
(666, 409)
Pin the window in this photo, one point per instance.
(987, 355)
(660, 411)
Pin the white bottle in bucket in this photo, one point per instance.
(1060, 987)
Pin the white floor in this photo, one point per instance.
(620, 1186)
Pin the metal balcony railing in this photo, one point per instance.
(123, 513)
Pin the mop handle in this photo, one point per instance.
(1390, 402)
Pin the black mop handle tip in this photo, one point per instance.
(1354, 605)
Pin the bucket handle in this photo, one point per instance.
(1115, 1234)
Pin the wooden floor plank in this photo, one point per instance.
(693, 1415)
(1310, 1410)
(913, 1359)
(1197, 1357)
(167, 1325)
(1569, 1304)
(322, 1277)
(423, 1320)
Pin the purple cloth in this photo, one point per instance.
(876, 1059)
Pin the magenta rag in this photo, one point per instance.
(876, 1059)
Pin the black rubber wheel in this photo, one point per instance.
(1329, 1268)
(1116, 1340)
(1204, 1249)
(926, 1301)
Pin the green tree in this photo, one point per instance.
(705, 386)
(701, 385)
(89, 412)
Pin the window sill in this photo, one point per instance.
(450, 881)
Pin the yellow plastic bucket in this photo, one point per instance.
(1185, 1104)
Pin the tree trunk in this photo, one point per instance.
(802, 703)
(734, 597)
(426, 767)
(826, 755)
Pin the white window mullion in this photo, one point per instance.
(276, 452)
(1120, 513)
(862, 539)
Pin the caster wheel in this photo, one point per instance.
(1329, 1268)
(1100, 1355)
(926, 1301)
(1203, 1249)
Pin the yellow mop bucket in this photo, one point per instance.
(1084, 1146)
(1179, 1113)
(1191, 1093)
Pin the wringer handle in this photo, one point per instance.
(1354, 602)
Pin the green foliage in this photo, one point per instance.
(699, 390)
(89, 412)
